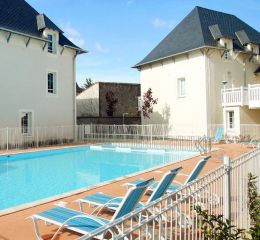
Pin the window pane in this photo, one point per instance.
(26, 123)
(230, 119)
(181, 87)
(50, 44)
(52, 83)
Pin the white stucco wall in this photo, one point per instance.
(88, 102)
(23, 83)
(187, 115)
(216, 71)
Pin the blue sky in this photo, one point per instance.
(119, 33)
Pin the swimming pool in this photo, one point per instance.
(29, 177)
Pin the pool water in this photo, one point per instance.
(28, 177)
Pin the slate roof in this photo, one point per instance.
(193, 32)
(79, 89)
(19, 16)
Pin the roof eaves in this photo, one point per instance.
(176, 54)
(79, 50)
(23, 34)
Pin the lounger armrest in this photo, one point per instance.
(179, 183)
(99, 208)
(183, 174)
(75, 217)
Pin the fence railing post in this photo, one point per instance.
(7, 138)
(227, 188)
(37, 137)
(151, 137)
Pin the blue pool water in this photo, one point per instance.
(29, 177)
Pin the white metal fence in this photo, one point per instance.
(13, 138)
(138, 136)
(222, 191)
(145, 136)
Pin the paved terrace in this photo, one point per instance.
(17, 226)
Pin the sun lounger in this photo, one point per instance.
(191, 177)
(111, 202)
(86, 223)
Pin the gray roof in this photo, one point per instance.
(19, 16)
(194, 32)
(257, 71)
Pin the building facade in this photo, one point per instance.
(205, 74)
(93, 104)
(37, 70)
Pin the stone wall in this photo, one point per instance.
(127, 96)
(108, 120)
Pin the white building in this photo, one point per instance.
(37, 70)
(188, 70)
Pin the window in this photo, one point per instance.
(52, 83)
(226, 52)
(230, 119)
(50, 44)
(181, 87)
(26, 123)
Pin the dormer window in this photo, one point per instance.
(50, 44)
(53, 39)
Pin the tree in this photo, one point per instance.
(111, 103)
(148, 102)
(88, 83)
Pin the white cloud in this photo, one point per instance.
(100, 48)
(159, 22)
(129, 2)
(78, 41)
(73, 34)
(70, 30)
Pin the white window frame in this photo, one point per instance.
(180, 92)
(230, 125)
(29, 131)
(226, 54)
(55, 88)
(52, 46)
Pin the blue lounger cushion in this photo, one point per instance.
(82, 224)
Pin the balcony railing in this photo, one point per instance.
(234, 97)
(254, 96)
(242, 96)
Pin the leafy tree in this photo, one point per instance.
(148, 102)
(88, 83)
(215, 227)
(111, 103)
(254, 207)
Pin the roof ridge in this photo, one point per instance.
(198, 12)
(216, 11)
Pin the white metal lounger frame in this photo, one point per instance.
(36, 217)
(100, 207)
